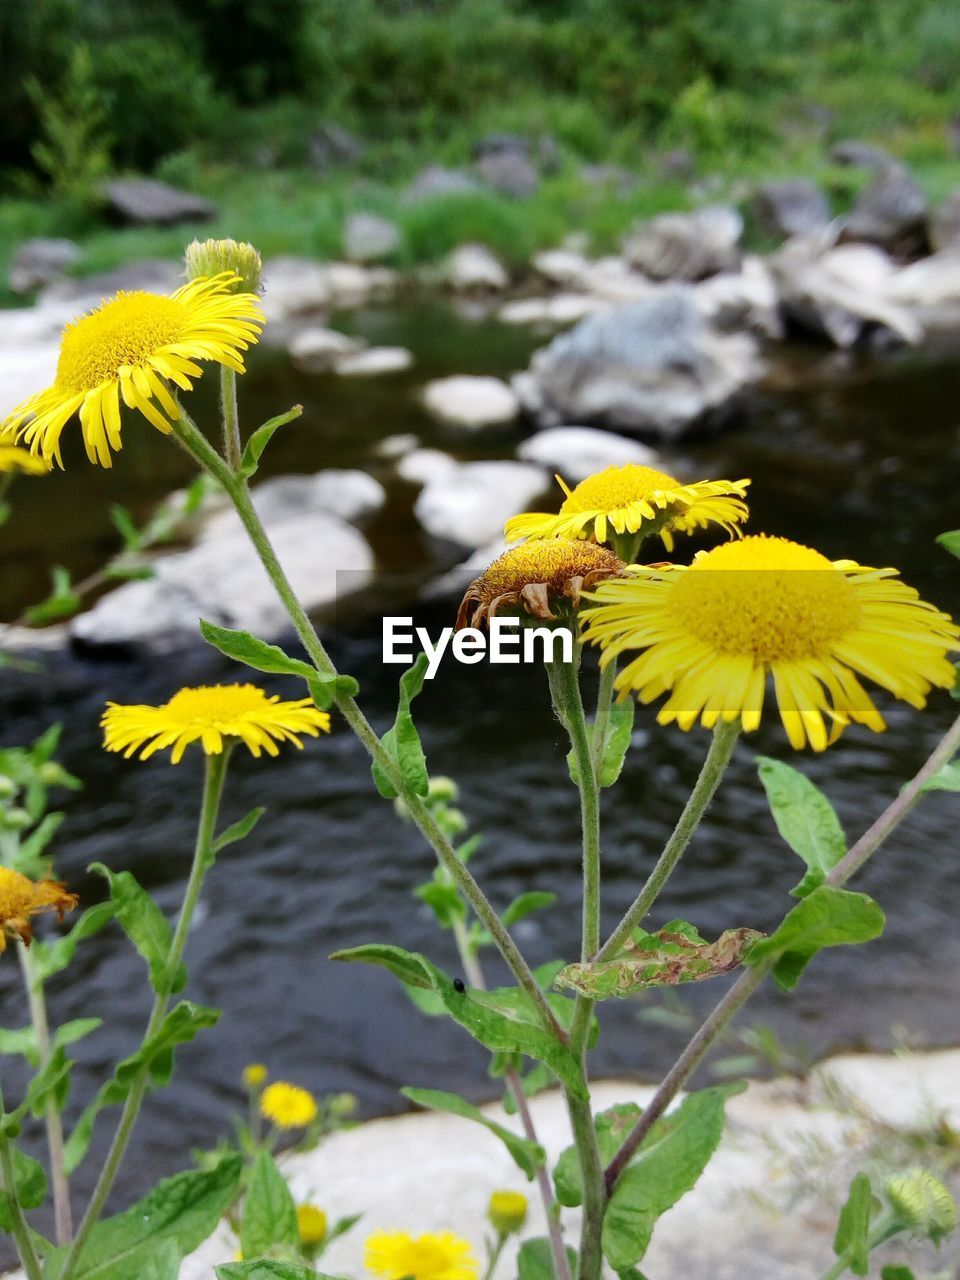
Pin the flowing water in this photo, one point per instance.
(857, 454)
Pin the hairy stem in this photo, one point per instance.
(230, 417)
(19, 1228)
(63, 1221)
(203, 856)
(748, 982)
(196, 444)
(718, 757)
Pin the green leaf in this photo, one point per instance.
(124, 524)
(612, 1128)
(53, 957)
(522, 906)
(500, 1020)
(238, 830)
(674, 954)
(52, 1079)
(806, 820)
(668, 1165)
(253, 449)
(29, 859)
(268, 1269)
(444, 901)
(241, 646)
(164, 1263)
(827, 918)
(183, 1209)
(897, 1273)
(529, 1156)
(30, 1179)
(269, 1213)
(950, 541)
(535, 1260)
(852, 1239)
(946, 778)
(325, 690)
(619, 732)
(62, 602)
(144, 924)
(402, 742)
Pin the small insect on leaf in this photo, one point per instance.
(458, 985)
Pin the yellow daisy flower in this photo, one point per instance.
(636, 499)
(14, 459)
(311, 1225)
(395, 1255)
(210, 715)
(709, 634)
(529, 575)
(131, 348)
(288, 1106)
(21, 898)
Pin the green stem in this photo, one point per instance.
(19, 1228)
(231, 420)
(748, 982)
(495, 1256)
(203, 857)
(590, 1259)
(718, 757)
(58, 1172)
(196, 444)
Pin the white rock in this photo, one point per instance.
(294, 287)
(471, 401)
(423, 466)
(374, 361)
(351, 284)
(396, 446)
(369, 238)
(473, 266)
(470, 505)
(348, 495)
(742, 299)
(578, 452)
(561, 266)
(316, 350)
(561, 309)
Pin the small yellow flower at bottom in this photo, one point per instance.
(21, 898)
(211, 715)
(507, 1211)
(311, 1224)
(255, 1075)
(288, 1106)
(396, 1255)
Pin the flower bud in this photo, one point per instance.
(923, 1204)
(443, 788)
(342, 1105)
(311, 1224)
(254, 1075)
(212, 257)
(507, 1211)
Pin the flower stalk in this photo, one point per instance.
(19, 1228)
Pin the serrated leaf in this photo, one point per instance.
(269, 1213)
(53, 957)
(183, 1209)
(145, 925)
(258, 441)
(528, 1156)
(535, 1260)
(402, 742)
(238, 830)
(852, 1239)
(500, 1020)
(667, 1166)
(806, 820)
(828, 917)
(30, 1179)
(243, 647)
(523, 905)
(666, 958)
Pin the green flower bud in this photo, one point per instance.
(211, 257)
(507, 1212)
(923, 1204)
(15, 819)
(8, 788)
(444, 789)
(342, 1104)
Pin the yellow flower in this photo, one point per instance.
(527, 576)
(209, 715)
(14, 459)
(311, 1224)
(288, 1106)
(131, 348)
(395, 1255)
(254, 1075)
(710, 634)
(636, 499)
(507, 1211)
(21, 898)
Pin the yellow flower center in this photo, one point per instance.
(17, 895)
(768, 597)
(617, 487)
(127, 330)
(552, 562)
(215, 705)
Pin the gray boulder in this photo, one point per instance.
(945, 223)
(369, 238)
(145, 202)
(41, 261)
(501, 144)
(792, 207)
(686, 246)
(609, 175)
(860, 155)
(510, 173)
(890, 213)
(332, 147)
(155, 275)
(436, 181)
(654, 367)
(470, 504)
(347, 494)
